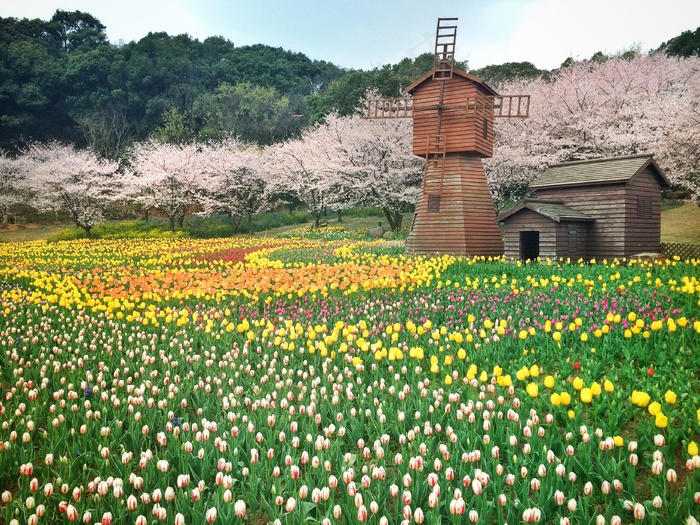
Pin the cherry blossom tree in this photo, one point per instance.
(63, 178)
(619, 106)
(12, 192)
(235, 183)
(374, 158)
(166, 177)
(299, 168)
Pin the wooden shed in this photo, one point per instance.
(600, 208)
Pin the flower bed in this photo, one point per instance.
(255, 380)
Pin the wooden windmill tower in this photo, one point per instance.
(453, 115)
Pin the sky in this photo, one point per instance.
(364, 34)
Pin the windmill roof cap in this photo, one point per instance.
(455, 71)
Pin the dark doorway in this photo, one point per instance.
(529, 245)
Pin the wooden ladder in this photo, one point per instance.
(445, 42)
(436, 150)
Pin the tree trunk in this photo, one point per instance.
(87, 230)
(317, 218)
(389, 218)
(340, 215)
(172, 224)
(181, 221)
(251, 227)
(146, 214)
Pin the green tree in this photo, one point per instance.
(251, 113)
(684, 45)
(495, 75)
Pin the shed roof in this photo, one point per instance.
(554, 210)
(598, 171)
(455, 71)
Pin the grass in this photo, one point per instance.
(680, 223)
(29, 232)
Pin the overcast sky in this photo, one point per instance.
(364, 34)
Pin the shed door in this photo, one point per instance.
(529, 245)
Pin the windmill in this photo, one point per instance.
(453, 114)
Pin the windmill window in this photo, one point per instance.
(643, 207)
(486, 128)
(433, 203)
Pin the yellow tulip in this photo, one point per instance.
(608, 385)
(578, 383)
(693, 448)
(595, 388)
(549, 381)
(571, 414)
(641, 399)
(586, 395)
(670, 397)
(654, 408)
(661, 420)
(565, 398)
(555, 399)
(448, 380)
(619, 441)
(532, 389)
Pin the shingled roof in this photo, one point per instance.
(554, 210)
(598, 171)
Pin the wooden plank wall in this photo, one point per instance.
(465, 223)
(643, 235)
(565, 247)
(605, 203)
(465, 132)
(528, 220)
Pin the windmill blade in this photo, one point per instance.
(445, 43)
(511, 106)
(506, 106)
(388, 108)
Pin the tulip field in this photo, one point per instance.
(336, 381)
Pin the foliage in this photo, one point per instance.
(496, 75)
(63, 80)
(686, 44)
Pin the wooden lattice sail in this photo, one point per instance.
(453, 114)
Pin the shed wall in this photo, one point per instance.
(643, 233)
(528, 220)
(607, 204)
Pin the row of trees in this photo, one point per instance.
(346, 161)
(621, 105)
(626, 104)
